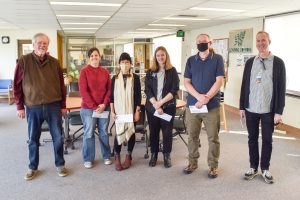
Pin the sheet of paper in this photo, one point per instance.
(163, 116)
(124, 118)
(104, 114)
(203, 109)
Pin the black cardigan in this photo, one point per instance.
(171, 85)
(136, 91)
(279, 81)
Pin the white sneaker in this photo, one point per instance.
(88, 165)
(107, 161)
(266, 174)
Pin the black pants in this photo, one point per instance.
(267, 129)
(130, 144)
(155, 125)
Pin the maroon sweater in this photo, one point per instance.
(94, 86)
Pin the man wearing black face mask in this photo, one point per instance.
(203, 77)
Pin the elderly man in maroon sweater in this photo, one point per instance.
(40, 95)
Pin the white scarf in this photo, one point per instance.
(123, 104)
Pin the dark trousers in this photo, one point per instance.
(130, 145)
(155, 125)
(267, 129)
(35, 117)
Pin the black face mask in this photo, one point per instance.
(202, 47)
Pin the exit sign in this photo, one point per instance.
(180, 33)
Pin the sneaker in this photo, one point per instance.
(30, 174)
(189, 169)
(88, 165)
(62, 171)
(266, 174)
(250, 174)
(213, 172)
(107, 161)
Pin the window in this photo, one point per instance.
(284, 32)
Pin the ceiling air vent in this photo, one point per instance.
(187, 16)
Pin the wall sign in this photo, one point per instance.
(241, 41)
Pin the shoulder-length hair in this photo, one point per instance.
(154, 65)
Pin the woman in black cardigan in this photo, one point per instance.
(125, 98)
(161, 86)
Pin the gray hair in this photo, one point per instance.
(39, 35)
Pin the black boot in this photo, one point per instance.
(167, 160)
(153, 160)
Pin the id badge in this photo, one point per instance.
(258, 77)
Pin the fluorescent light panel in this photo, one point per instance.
(86, 16)
(80, 23)
(85, 4)
(136, 32)
(153, 29)
(186, 18)
(80, 28)
(173, 25)
(217, 9)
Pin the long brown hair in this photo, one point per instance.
(155, 65)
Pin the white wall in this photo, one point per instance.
(232, 91)
(173, 45)
(9, 52)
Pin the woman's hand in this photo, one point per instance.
(137, 116)
(113, 116)
(100, 108)
(160, 111)
(157, 105)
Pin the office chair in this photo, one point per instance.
(141, 127)
(45, 128)
(179, 124)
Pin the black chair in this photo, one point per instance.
(179, 124)
(45, 128)
(141, 127)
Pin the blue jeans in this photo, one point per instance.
(89, 126)
(35, 117)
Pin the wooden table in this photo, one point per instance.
(73, 103)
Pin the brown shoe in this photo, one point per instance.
(189, 169)
(127, 162)
(118, 165)
(213, 172)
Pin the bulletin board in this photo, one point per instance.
(220, 46)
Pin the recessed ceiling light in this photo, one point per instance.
(153, 29)
(186, 18)
(80, 28)
(175, 25)
(86, 16)
(85, 4)
(80, 23)
(217, 9)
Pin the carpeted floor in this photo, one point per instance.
(141, 181)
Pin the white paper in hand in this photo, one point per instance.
(203, 109)
(104, 114)
(124, 118)
(163, 116)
